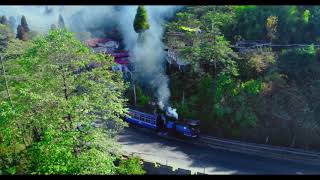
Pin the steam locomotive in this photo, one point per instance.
(164, 123)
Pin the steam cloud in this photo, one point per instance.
(93, 21)
(149, 57)
(172, 112)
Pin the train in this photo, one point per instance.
(164, 124)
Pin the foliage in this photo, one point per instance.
(142, 99)
(254, 89)
(56, 96)
(306, 16)
(129, 167)
(140, 23)
(218, 57)
(5, 36)
(299, 64)
(24, 24)
(22, 33)
(256, 63)
(232, 100)
(271, 25)
(207, 50)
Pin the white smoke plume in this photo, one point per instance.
(149, 57)
(93, 21)
(172, 112)
(77, 18)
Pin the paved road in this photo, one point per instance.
(205, 159)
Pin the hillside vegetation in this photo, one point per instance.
(53, 89)
(262, 95)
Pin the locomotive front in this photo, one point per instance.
(181, 126)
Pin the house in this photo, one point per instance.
(109, 46)
(95, 41)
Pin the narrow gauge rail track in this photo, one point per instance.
(268, 151)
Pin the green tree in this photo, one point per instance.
(140, 23)
(271, 25)
(306, 16)
(16, 48)
(217, 56)
(256, 63)
(142, 99)
(274, 89)
(298, 64)
(56, 97)
(129, 167)
(232, 101)
(21, 33)
(24, 24)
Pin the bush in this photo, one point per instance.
(142, 99)
(131, 166)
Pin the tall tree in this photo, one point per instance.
(140, 23)
(271, 25)
(24, 24)
(21, 33)
(61, 23)
(61, 96)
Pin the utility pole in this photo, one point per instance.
(134, 94)
(183, 96)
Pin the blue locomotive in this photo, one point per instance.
(164, 124)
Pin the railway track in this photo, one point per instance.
(291, 154)
(273, 152)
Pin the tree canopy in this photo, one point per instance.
(58, 90)
(140, 23)
(24, 24)
(248, 93)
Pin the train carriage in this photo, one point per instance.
(184, 128)
(142, 119)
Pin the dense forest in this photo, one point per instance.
(53, 87)
(264, 94)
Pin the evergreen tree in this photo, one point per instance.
(24, 24)
(21, 33)
(3, 20)
(61, 23)
(141, 20)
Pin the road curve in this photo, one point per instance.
(204, 159)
